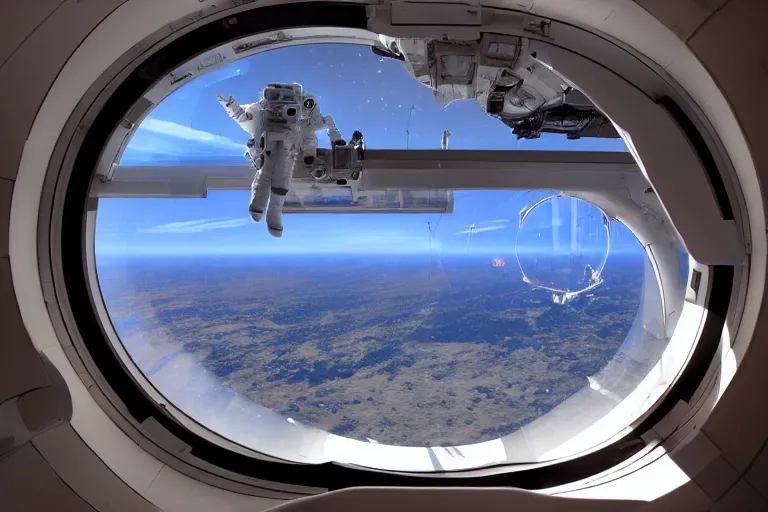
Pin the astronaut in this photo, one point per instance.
(282, 126)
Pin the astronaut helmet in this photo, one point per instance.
(278, 92)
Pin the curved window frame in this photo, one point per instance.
(714, 295)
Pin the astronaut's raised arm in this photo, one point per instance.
(247, 116)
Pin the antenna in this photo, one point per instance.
(445, 139)
(408, 127)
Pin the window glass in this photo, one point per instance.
(416, 330)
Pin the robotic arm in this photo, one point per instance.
(247, 116)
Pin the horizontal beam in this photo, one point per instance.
(617, 160)
(523, 170)
(398, 169)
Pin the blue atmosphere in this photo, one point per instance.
(365, 92)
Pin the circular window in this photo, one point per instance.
(416, 329)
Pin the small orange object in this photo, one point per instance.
(498, 262)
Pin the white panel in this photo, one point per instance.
(671, 422)
(129, 462)
(646, 484)
(27, 75)
(668, 159)
(682, 16)
(407, 13)
(695, 455)
(455, 499)
(741, 498)
(172, 491)
(81, 469)
(688, 498)
(716, 478)
(164, 438)
(758, 473)
(708, 95)
(593, 10)
(381, 19)
(13, 431)
(27, 483)
(44, 407)
(20, 366)
(738, 425)
(742, 77)
(741, 67)
(26, 16)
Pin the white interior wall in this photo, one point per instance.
(68, 457)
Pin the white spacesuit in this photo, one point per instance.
(282, 126)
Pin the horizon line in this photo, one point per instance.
(491, 254)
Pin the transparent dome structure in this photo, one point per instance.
(562, 246)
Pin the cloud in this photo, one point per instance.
(495, 221)
(387, 241)
(180, 131)
(167, 137)
(482, 229)
(198, 226)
